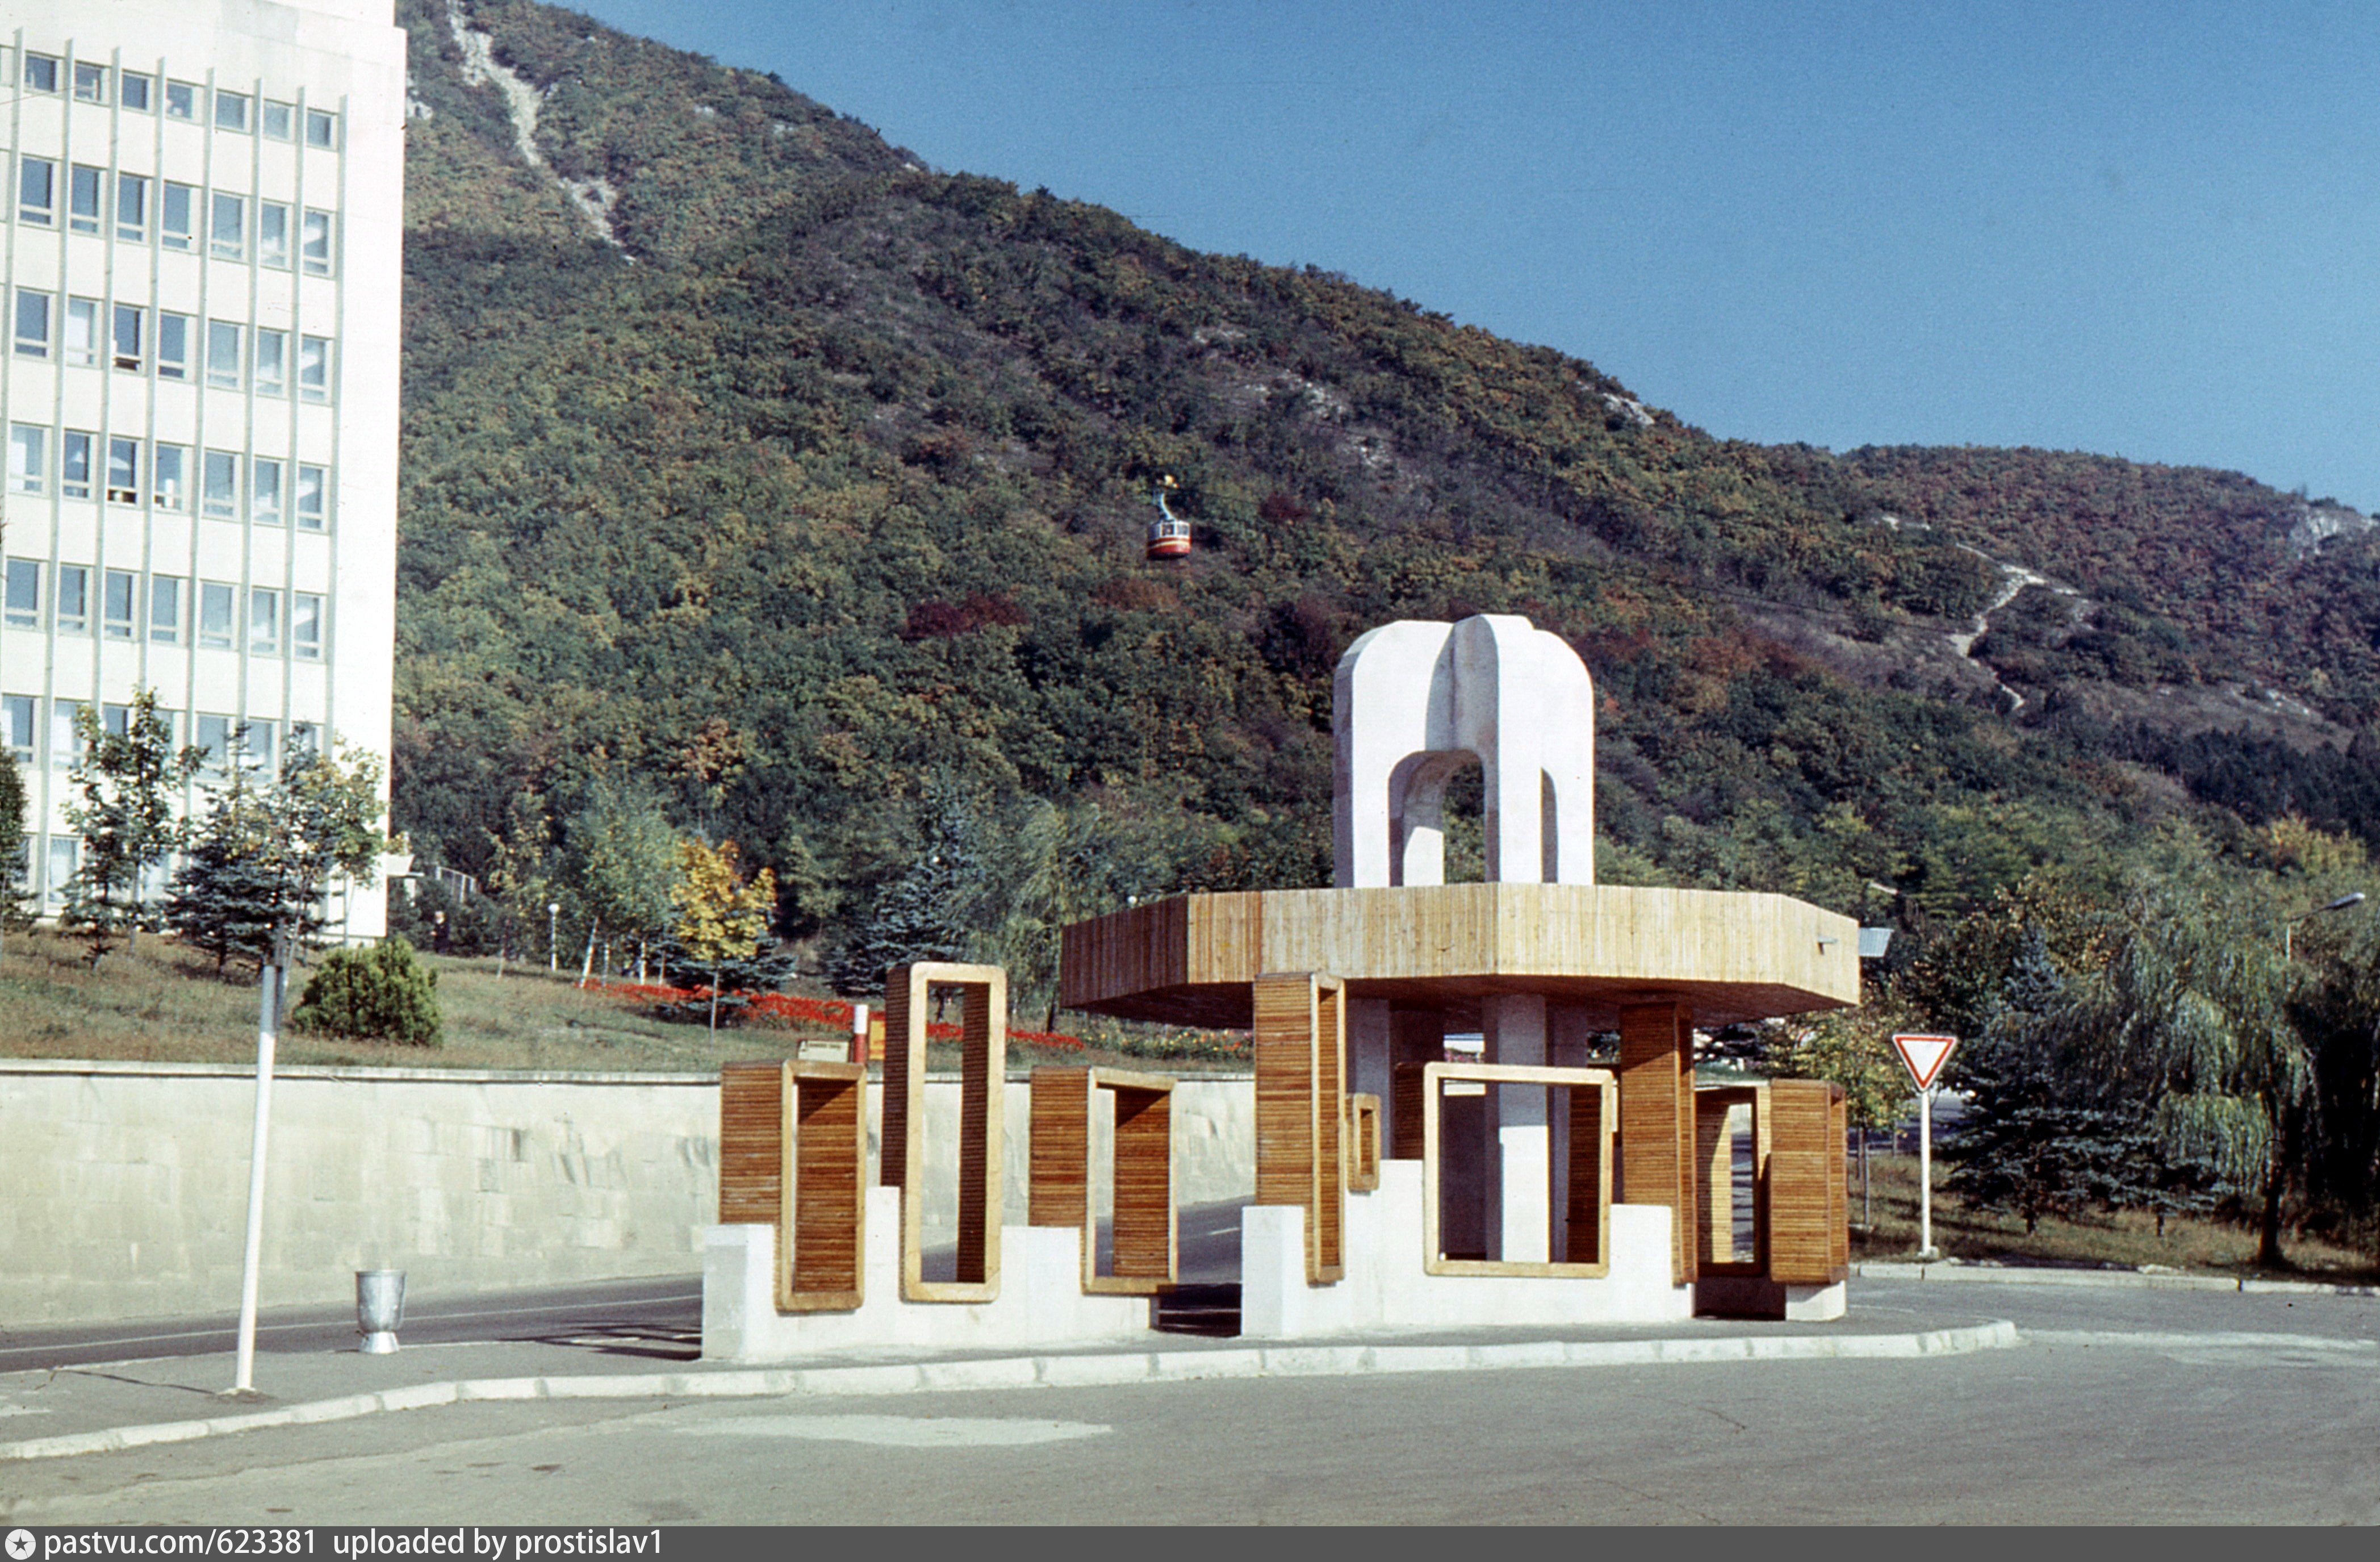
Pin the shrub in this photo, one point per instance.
(378, 993)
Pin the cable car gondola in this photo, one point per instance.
(1168, 536)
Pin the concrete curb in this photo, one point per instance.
(1056, 1372)
(2130, 1278)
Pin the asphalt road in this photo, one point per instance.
(2127, 1406)
(660, 1310)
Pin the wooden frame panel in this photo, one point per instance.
(1657, 1121)
(1715, 1189)
(822, 1200)
(1588, 1189)
(1808, 1218)
(983, 1071)
(1406, 1082)
(1145, 1221)
(751, 1138)
(1363, 1143)
(1301, 1067)
(1597, 1082)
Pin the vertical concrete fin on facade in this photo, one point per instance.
(1414, 702)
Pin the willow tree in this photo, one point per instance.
(2192, 1014)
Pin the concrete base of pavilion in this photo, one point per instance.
(1041, 1302)
(1732, 1296)
(1386, 1287)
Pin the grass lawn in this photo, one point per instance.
(163, 1004)
(2125, 1238)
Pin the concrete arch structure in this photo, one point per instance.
(1413, 703)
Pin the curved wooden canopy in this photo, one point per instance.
(1733, 957)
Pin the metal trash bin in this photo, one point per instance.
(379, 1309)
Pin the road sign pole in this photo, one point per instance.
(1926, 1175)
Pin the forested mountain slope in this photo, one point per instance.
(747, 459)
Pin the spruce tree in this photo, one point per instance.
(13, 857)
(227, 897)
(124, 812)
(929, 912)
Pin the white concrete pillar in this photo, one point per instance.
(1520, 1206)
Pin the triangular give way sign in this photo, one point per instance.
(1924, 1056)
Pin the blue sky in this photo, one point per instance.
(2148, 230)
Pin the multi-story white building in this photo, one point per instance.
(199, 242)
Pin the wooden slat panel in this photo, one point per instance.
(1590, 1156)
(893, 1138)
(1284, 1054)
(1406, 1080)
(1058, 1187)
(1327, 1256)
(1802, 1206)
(751, 1166)
(1144, 1185)
(830, 1161)
(1839, 1211)
(1656, 1120)
(981, 1076)
(1362, 1142)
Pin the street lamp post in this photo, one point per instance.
(2289, 928)
(554, 935)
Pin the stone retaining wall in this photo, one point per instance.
(124, 1187)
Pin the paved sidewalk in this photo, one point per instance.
(93, 1409)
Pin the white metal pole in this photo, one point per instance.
(268, 1016)
(1926, 1175)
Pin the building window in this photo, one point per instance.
(130, 353)
(116, 720)
(222, 354)
(231, 110)
(263, 746)
(279, 121)
(313, 367)
(62, 866)
(71, 611)
(273, 234)
(264, 485)
(173, 216)
(271, 365)
(82, 333)
(219, 485)
(317, 252)
(118, 593)
(123, 471)
(28, 459)
(181, 100)
(168, 469)
(227, 230)
(214, 618)
(213, 739)
(42, 73)
(32, 324)
(313, 487)
(37, 191)
(74, 465)
(321, 129)
(131, 207)
(172, 346)
(164, 610)
(132, 89)
(24, 593)
(263, 621)
(305, 625)
(17, 726)
(82, 198)
(90, 82)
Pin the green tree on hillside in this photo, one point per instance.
(722, 921)
(124, 812)
(14, 854)
(621, 864)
